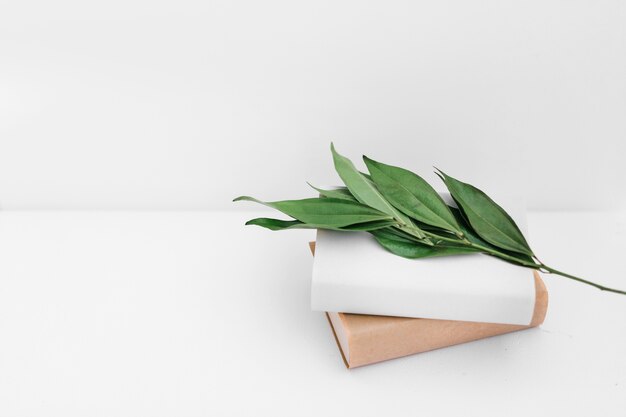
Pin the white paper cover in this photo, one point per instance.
(352, 273)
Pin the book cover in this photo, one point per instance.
(352, 273)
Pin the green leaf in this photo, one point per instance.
(341, 193)
(364, 189)
(412, 195)
(410, 249)
(325, 212)
(277, 224)
(486, 218)
(401, 233)
(470, 235)
(365, 227)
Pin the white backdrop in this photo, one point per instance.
(186, 104)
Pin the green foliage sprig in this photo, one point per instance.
(409, 218)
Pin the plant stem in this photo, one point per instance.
(539, 266)
(416, 232)
(447, 239)
(484, 249)
(584, 281)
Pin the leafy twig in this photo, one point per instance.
(409, 218)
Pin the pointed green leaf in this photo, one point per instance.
(486, 218)
(362, 188)
(325, 212)
(412, 195)
(470, 234)
(341, 193)
(401, 233)
(368, 226)
(410, 249)
(277, 224)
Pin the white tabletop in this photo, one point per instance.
(191, 313)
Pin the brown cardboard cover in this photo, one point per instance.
(365, 339)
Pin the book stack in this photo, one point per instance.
(381, 306)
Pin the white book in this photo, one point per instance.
(352, 273)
